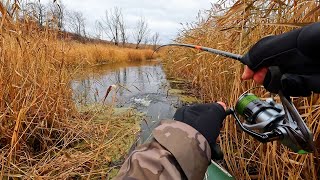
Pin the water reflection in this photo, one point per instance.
(142, 86)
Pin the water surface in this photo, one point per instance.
(142, 86)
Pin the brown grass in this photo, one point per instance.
(42, 135)
(78, 54)
(235, 28)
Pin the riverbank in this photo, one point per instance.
(97, 145)
(109, 134)
(42, 133)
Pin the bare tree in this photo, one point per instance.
(146, 41)
(77, 22)
(141, 31)
(114, 26)
(36, 10)
(155, 40)
(98, 30)
(57, 12)
(123, 30)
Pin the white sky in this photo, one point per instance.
(163, 16)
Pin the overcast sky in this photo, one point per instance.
(163, 16)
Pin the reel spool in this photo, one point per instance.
(269, 121)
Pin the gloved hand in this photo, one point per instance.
(207, 119)
(296, 55)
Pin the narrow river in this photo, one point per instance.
(142, 86)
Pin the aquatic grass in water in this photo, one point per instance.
(100, 147)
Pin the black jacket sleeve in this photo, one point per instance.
(294, 52)
(297, 55)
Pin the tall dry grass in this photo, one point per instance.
(234, 26)
(42, 136)
(79, 54)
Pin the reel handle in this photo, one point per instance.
(273, 122)
(274, 83)
(292, 115)
(262, 137)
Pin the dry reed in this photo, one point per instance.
(235, 28)
(42, 136)
(79, 54)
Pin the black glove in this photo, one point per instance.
(296, 55)
(207, 119)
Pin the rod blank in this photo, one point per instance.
(211, 50)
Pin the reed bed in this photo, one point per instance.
(89, 54)
(235, 26)
(42, 135)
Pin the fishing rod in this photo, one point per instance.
(210, 50)
(266, 120)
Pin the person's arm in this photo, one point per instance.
(291, 51)
(297, 56)
(188, 158)
(178, 150)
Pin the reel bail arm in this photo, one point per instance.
(262, 137)
(268, 121)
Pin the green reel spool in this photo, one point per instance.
(244, 101)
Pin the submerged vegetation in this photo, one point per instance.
(234, 26)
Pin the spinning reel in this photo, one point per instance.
(267, 120)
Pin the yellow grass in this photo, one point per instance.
(235, 28)
(78, 54)
(42, 135)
